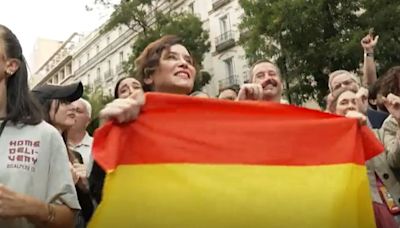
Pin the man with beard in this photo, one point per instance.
(265, 83)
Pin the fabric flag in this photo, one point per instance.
(192, 162)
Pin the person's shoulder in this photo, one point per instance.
(42, 129)
(377, 113)
(46, 127)
(390, 124)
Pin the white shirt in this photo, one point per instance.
(34, 161)
(84, 148)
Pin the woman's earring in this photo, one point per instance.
(9, 72)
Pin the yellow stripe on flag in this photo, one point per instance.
(191, 195)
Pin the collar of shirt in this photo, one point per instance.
(86, 141)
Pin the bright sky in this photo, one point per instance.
(52, 19)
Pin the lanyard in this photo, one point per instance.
(2, 126)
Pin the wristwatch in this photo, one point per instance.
(368, 54)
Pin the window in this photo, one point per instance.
(229, 67)
(87, 57)
(79, 64)
(109, 65)
(69, 69)
(89, 81)
(121, 57)
(62, 75)
(98, 73)
(224, 24)
(97, 49)
(191, 7)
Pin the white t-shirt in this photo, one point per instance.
(34, 161)
(84, 148)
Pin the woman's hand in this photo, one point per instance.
(362, 119)
(12, 204)
(392, 103)
(79, 176)
(124, 109)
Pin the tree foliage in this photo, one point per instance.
(98, 99)
(150, 20)
(383, 16)
(310, 38)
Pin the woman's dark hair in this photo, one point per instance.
(46, 110)
(21, 107)
(390, 82)
(149, 59)
(46, 106)
(117, 85)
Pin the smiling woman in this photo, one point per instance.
(166, 66)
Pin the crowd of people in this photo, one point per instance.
(48, 176)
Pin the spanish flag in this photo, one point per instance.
(192, 162)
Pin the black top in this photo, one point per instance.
(376, 118)
(85, 198)
(96, 181)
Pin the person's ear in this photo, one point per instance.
(149, 80)
(372, 101)
(12, 65)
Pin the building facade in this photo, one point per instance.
(229, 65)
(226, 60)
(43, 49)
(97, 59)
(58, 68)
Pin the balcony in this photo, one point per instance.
(229, 81)
(218, 4)
(108, 75)
(224, 41)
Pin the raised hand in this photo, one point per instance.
(124, 109)
(369, 42)
(392, 103)
(250, 91)
(362, 119)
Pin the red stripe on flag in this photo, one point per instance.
(178, 129)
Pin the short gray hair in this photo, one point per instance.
(341, 72)
(87, 105)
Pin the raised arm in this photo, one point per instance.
(369, 69)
